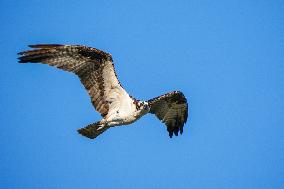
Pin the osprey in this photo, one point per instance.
(96, 72)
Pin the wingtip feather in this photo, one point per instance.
(44, 46)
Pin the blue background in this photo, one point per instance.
(226, 56)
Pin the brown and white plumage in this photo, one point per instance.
(96, 72)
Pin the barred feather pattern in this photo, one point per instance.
(93, 130)
(94, 67)
(96, 72)
(171, 109)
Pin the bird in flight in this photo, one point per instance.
(96, 72)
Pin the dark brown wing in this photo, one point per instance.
(171, 109)
(94, 68)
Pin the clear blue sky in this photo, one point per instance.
(226, 56)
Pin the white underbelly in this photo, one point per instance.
(118, 119)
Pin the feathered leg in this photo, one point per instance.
(93, 130)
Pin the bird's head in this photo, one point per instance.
(145, 106)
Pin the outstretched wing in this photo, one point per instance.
(94, 68)
(171, 109)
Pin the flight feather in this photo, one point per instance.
(96, 72)
(171, 109)
(94, 68)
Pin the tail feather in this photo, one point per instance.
(92, 131)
